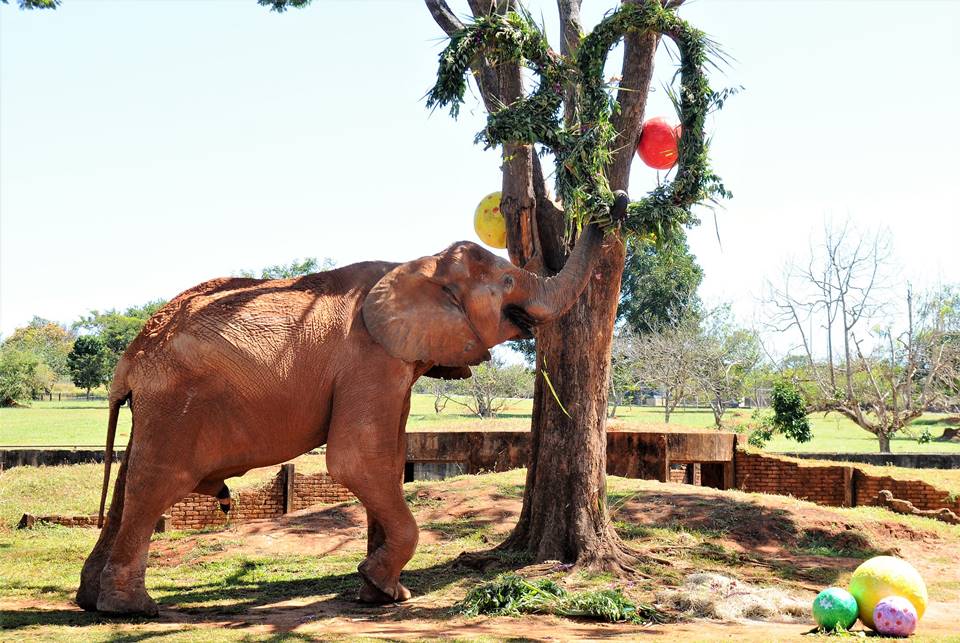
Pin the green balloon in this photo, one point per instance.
(835, 607)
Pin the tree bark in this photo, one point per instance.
(884, 443)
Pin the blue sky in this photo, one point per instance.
(148, 145)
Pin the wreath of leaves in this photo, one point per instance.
(583, 150)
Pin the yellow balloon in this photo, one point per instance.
(884, 576)
(489, 222)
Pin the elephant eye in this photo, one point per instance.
(508, 283)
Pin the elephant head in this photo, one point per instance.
(448, 309)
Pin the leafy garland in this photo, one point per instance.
(583, 150)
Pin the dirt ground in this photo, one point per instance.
(755, 537)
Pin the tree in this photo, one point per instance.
(117, 329)
(578, 529)
(624, 371)
(668, 359)
(89, 362)
(881, 388)
(490, 388)
(296, 268)
(49, 341)
(659, 284)
(726, 356)
(23, 375)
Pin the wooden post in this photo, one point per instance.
(288, 474)
(664, 468)
(849, 487)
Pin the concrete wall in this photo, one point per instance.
(908, 460)
(10, 458)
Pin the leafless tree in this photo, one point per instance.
(900, 374)
(491, 388)
(668, 358)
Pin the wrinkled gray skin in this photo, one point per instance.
(242, 373)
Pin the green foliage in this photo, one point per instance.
(49, 341)
(583, 149)
(22, 375)
(36, 4)
(89, 362)
(282, 5)
(512, 595)
(117, 329)
(659, 285)
(296, 268)
(789, 416)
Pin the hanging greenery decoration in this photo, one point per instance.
(583, 150)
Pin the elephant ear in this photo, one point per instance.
(414, 313)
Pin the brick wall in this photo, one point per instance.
(832, 485)
(317, 489)
(921, 494)
(197, 511)
(765, 474)
(679, 473)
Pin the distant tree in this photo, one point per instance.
(23, 375)
(625, 373)
(89, 362)
(667, 360)
(789, 416)
(726, 356)
(491, 387)
(900, 374)
(49, 341)
(296, 268)
(659, 285)
(117, 329)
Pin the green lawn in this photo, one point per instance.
(81, 423)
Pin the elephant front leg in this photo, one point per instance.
(364, 453)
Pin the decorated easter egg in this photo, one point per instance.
(489, 223)
(895, 616)
(835, 607)
(884, 576)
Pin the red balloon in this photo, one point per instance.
(658, 144)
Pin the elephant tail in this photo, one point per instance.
(118, 397)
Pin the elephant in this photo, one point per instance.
(238, 373)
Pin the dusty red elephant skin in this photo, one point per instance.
(241, 373)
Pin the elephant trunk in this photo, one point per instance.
(552, 297)
(549, 298)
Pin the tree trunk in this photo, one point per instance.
(666, 407)
(884, 440)
(568, 453)
(88, 393)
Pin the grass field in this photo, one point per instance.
(225, 585)
(82, 423)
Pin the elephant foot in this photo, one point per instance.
(372, 595)
(380, 593)
(87, 596)
(129, 598)
(127, 603)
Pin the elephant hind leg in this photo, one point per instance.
(90, 576)
(150, 489)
